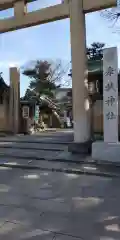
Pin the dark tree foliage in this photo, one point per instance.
(94, 53)
(45, 78)
(3, 86)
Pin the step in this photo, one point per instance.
(76, 169)
(34, 146)
(29, 153)
(28, 139)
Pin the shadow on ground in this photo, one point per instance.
(45, 205)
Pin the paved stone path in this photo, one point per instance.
(44, 205)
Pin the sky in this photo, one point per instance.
(49, 41)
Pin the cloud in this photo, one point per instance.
(8, 64)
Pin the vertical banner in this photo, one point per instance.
(36, 113)
(25, 112)
(110, 94)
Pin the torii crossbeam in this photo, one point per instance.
(23, 19)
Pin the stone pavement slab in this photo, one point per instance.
(46, 205)
(60, 165)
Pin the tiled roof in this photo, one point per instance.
(3, 86)
(95, 66)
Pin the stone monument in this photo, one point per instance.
(109, 149)
(110, 95)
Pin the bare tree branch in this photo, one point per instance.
(45, 76)
(112, 15)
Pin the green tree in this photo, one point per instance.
(95, 51)
(3, 86)
(45, 78)
(30, 95)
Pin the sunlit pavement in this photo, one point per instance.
(46, 205)
(42, 203)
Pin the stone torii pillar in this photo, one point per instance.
(81, 116)
(14, 100)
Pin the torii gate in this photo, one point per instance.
(75, 10)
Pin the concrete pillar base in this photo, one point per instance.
(80, 148)
(107, 152)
